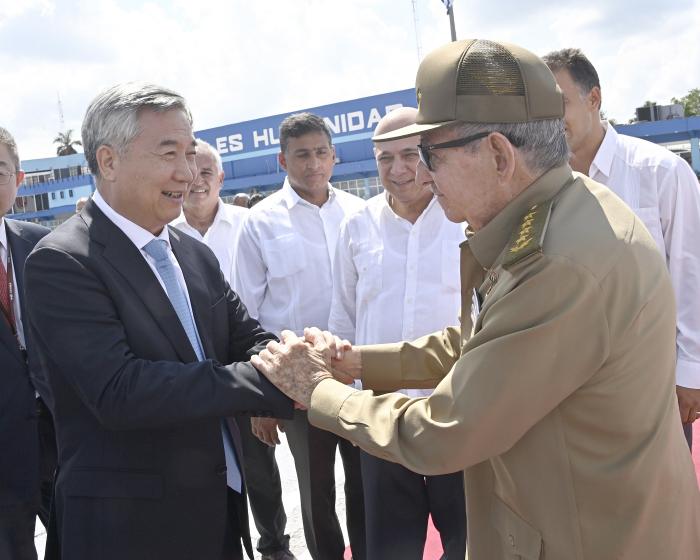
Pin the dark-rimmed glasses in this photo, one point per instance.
(424, 151)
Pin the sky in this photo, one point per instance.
(236, 60)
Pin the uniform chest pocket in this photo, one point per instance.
(284, 255)
(519, 541)
(368, 265)
(450, 264)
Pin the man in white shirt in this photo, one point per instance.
(396, 277)
(662, 190)
(206, 218)
(283, 274)
(204, 215)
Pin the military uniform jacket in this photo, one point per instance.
(557, 398)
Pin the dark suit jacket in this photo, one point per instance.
(19, 440)
(141, 463)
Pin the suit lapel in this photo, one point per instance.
(197, 290)
(128, 261)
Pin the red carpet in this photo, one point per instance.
(433, 548)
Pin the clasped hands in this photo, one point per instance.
(297, 365)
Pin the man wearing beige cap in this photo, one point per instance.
(557, 394)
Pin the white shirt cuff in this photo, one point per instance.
(688, 374)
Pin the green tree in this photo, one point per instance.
(691, 102)
(65, 143)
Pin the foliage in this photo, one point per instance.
(691, 102)
(65, 143)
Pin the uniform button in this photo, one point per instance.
(511, 540)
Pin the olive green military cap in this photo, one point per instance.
(481, 81)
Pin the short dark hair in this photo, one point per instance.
(254, 199)
(582, 72)
(7, 140)
(300, 124)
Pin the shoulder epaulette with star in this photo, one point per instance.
(528, 237)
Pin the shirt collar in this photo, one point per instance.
(387, 208)
(488, 243)
(291, 198)
(602, 162)
(3, 233)
(136, 234)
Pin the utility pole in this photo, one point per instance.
(415, 29)
(61, 121)
(449, 4)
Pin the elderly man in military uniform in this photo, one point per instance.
(557, 394)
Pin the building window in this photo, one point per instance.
(62, 194)
(70, 193)
(53, 196)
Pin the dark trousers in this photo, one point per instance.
(262, 479)
(17, 533)
(233, 550)
(397, 504)
(48, 459)
(688, 431)
(314, 459)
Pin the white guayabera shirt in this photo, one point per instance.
(394, 280)
(663, 191)
(222, 235)
(283, 265)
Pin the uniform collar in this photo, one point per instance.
(291, 198)
(602, 162)
(488, 243)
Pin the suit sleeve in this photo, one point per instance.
(80, 335)
(527, 358)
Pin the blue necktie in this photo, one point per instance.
(158, 250)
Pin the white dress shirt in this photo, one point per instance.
(394, 280)
(663, 191)
(283, 264)
(4, 247)
(222, 235)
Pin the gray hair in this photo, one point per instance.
(541, 143)
(112, 117)
(7, 140)
(207, 147)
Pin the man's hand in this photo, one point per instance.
(265, 429)
(346, 361)
(295, 367)
(688, 403)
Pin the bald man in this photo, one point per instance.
(396, 277)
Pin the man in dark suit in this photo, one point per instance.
(22, 415)
(147, 349)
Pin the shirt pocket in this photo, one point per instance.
(368, 264)
(518, 539)
(450, 257)
(651, 219)
(284, 255)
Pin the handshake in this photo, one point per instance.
(297, 365)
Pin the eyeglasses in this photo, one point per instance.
(424, 151)
(5, 177)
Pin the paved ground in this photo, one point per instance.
(291, 504)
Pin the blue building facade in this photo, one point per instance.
(249, 153)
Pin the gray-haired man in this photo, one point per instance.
(135, 323)
(557, 394)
